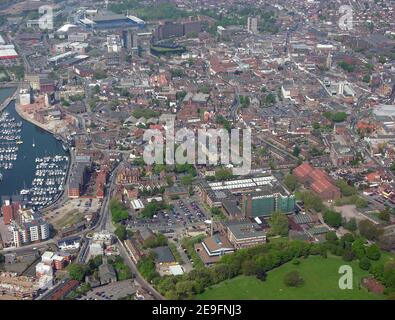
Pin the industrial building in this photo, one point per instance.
(317, 180)
(7, 51)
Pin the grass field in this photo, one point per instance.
(320, 283)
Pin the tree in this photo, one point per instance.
(373, 252)
(351, 224)
(291, 182)
(311, 200)
(345, 188)
(270, 99)
(279, 224)
(333, 218)
(223, 174)
(361, 203)
(293, 279)
(366, 78)
(358, 247)
(389, 274)
(76, 271)
(348, 255)
(296, 151)
(120, 232)
(118, 212)
(369, 230)
(385, 215)
(248, 267)
(331, 236)
(346, 66)
(364, 263)
(186, 180)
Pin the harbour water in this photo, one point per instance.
(36, 160)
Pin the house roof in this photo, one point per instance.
(164, 255)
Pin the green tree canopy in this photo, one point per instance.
(76, 271)
(293, 279)
(118, 212)
(121, 232)
(373, 252)
(279, 224)
(332, 218)
(369, 230)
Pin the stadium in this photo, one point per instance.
(111, 21)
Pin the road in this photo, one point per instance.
(139, 278)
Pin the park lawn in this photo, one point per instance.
(320, 283)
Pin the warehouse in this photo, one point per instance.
(8, 52)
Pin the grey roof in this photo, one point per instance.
(318, 230)
(231, 207)
(245, 229)
(146, 233)
(164, 255)
(108, 17)
(303, 218)
(106, 271)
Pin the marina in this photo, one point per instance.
(33, 162)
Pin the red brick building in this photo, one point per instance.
(11, 213)
(317, 180)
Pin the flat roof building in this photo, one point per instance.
(244, 234)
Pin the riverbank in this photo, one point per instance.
(8, 100)
(29, 119)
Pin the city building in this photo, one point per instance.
(114, 43)
(79, 176)
(25, 95)
(211, 249)
(10, 212)
(164, 256)
(252, 24)
(30, 227)
(244, 234)
(267, 200)
(130, 40)
(107, 273)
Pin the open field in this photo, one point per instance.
(70, 218)
(320, 283)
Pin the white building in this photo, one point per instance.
(252, 25)
(31, 228)
(25, 96)
(114, 43)
(45, 282)
(43, 269)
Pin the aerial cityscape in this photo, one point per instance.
(197, 150)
